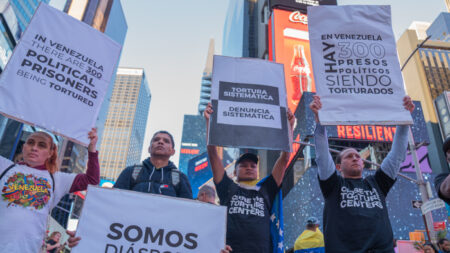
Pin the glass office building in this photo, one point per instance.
(25, 9)
(240, 29)
(439, 29)
(126, 121)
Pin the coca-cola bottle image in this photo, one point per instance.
(300, 73)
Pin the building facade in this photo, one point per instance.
(205, 90)
(125, 124)
(426, 76)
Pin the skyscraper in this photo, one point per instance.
(106, 16)
(25, 9)
(205, 90)
(10, 32)
(240, 32)
(126, 121)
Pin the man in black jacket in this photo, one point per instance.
(157, 174)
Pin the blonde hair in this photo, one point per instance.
(50, 163)
(53, 234)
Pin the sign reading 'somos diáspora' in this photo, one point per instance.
(355, 64)
(58, 74)
(114, 221)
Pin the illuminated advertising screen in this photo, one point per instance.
(289, 45)
(299, 4)
(199, 171)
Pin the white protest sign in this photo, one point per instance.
(58, 74)
(356, 68)
(116, 220)
(249, 102)
(431, 205)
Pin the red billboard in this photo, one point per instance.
(289, 45)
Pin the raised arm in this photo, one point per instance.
(395, 157)
(216, 163)
(324, 160)
(280, 165)
(92, 175)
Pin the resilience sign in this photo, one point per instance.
(58, 74)
(356, 65)
(126, 221)
(249, 101)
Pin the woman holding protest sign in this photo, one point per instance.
(30, 189)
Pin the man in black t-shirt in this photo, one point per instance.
(248, 214)
(355, 215)
(442, 181)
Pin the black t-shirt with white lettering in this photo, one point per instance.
(248, 219)
(355, 216)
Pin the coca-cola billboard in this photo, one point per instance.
(289, 45)
(298, 4)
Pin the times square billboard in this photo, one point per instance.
(199, 172)
(298, 4)
(289, 45)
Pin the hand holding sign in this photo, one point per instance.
(60, 71)
(249, 100)
(355, 65)
(316, 105)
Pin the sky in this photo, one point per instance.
(170, 39)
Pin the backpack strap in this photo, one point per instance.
(12, 165)
(7, 169)
(53, 181)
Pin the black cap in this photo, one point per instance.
(247, 156)
(446, 145)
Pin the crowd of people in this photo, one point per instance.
(355, 216)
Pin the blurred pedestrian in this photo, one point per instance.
(429, 248)
(53, 245)
(207, 194)
(444, 246)
(310, 240)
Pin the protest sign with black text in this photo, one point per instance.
(116, 220)
(58, 74)
(356, 68)
(249, 101)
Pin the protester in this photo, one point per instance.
(442, 181)
(429, 248)
(157, 174)
(53, 245)
(310, 240)
(248, 219)
(355, 216)
(207, 194)
(30, 189)
(444, 246)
